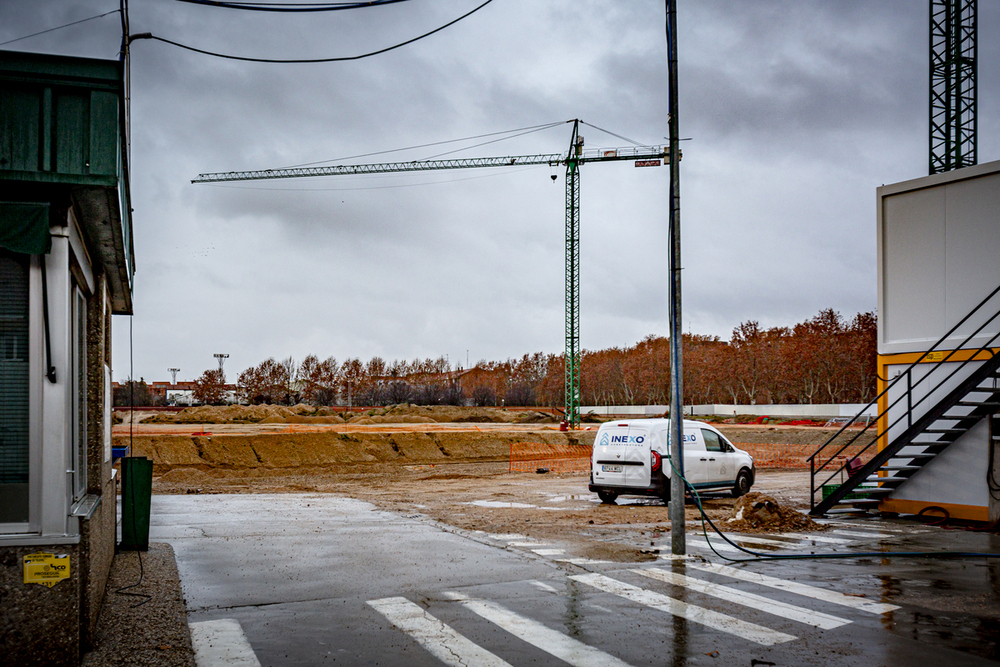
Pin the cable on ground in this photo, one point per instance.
(758, 556)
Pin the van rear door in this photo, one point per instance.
(621, 456)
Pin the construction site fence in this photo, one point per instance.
(530, 456)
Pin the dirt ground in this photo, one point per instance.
(454, 472)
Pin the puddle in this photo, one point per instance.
(500, 504)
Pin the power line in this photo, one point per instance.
(60, 27)
(433, 143)
(292, 6)
(148, 35)
(493, 141)
(612, 133)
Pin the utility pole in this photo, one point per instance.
(676, 511)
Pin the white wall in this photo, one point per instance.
(955, 476)
(937, 257)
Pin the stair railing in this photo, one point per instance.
(816, 467)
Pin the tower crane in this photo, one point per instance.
(572, 159)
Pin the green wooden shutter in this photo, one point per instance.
(24, 227)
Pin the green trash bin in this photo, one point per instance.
(137, 490)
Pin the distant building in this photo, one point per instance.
(65, 268)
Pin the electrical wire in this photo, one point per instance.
(632, 141)
(434, 143)
(486, 143)
(292, 6)
(59, 27)
(131, 487)
(148, 35)
(758, 556)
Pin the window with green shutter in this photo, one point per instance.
(13, 387)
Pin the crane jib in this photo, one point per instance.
(551, 159)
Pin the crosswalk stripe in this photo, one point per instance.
(545, 587)
(718, 544)
(221, 643)
(815, 538)
(857, 533)
(795, 587)
(861, 526)
(712, 619)
(785, 610)
(549, 552)
(551, 641)
(439, 639)
(753, 539)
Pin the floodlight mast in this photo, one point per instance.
(643, 156)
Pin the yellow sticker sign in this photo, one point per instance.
(46, 569)
(934, 356)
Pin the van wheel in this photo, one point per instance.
(607, 497)
(742, 484)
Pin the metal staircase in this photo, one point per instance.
(928, 406)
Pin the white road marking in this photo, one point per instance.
(221, 643)
(856, 533)
(712, 619)
(582, 561)
(823, 594)
(549, 552)
(551, 641)
(506, 537)
(791, 612)
(439, 639)
(526, 544)
(753, 539)
(719, 545)
(862, 526)
(545, 587)
(814, 538)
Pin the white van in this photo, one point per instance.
(632, 458)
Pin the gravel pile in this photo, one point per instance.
(154, 633)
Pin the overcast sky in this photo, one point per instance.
(796, 111)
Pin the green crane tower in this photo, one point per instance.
(572, 159)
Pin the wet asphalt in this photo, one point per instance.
(300, 573)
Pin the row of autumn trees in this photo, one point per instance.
(825, 359)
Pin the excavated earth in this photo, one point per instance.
(437, 463)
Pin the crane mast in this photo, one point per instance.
(572, 159)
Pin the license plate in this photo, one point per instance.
(612, 468)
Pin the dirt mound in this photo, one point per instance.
(283, 453)
(304, 414)
(248, 414)
(760, 513)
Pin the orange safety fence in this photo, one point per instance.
(772, 455)
(530, 456)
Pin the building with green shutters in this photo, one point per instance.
(65, 268)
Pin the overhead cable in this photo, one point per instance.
(147, 35)
(612, 133)
(60, 27)
(529, 130)
(292, 6)
(434, 143)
